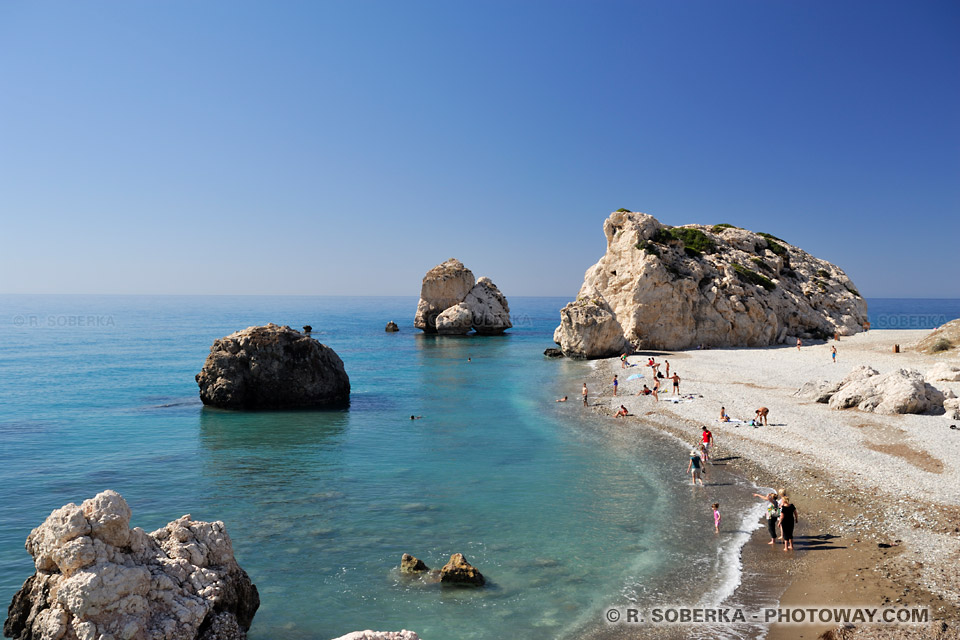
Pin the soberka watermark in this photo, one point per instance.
(64, 321)
(908, 321)
(793, 615)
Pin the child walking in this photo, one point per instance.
(716, 517)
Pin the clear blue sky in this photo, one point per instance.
(346, 148)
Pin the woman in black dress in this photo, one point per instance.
(788, 517)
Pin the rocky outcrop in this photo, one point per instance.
(944, 338)
(380, 635)
(412, 564)
(681, 287)
(864, 388)
(589, 329)
(453, 303)
(944, 372)
(272, 367)
(458, 571)
(97, 578)
(392, 327)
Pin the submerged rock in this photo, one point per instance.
(97, 578)
(411, 564)
(459, 571)
(272, 367)
(681, 287)
(453, 303)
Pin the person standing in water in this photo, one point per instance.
(695, 467)
(584, 392)
(788, 517)
(716, 517)
(773, 513)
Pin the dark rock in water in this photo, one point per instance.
(392, 327)
(272, 367)
(307, 328)
(553, 353)
(459, 571)
(410, 564)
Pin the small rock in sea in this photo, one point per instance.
(307, 328)
(411, 564)
(392, 327)
(459, 571)
(553, 353)
(177, 579)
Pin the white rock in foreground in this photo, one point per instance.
(380, 635)
(96, 579)
(945, 372)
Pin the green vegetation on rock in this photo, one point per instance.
(762, 264)
(941, 345)
(622, 210)
(691, 239)
(718, 228)
(753, 277)
(649, 247)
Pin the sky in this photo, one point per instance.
(233, 147)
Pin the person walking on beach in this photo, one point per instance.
(833, 354)
(799, 344)
(773, 513)
(676, 382)
(584, 392)
(761, 417)
(623, 361)
(656, 389)
(615, 384)
(707, 442)
(667, 362)
(781, 496)
(695, 467)
(716, 516)
(788, 518)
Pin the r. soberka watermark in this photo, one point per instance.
(64, 321)
(785, 615)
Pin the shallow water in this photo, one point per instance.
(563, 513)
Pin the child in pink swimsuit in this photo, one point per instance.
(716, 517)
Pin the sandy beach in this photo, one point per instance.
(877, 495)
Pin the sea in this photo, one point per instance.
(565, 518)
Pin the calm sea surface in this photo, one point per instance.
(98, 392)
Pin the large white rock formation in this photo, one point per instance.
(453, 303)
(97, 578)
(680, 287)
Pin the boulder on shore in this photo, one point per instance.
(98, 578)
(453, 303)
(864, 388)
(460, 572)
(717, 286)
(589, 329)
(272, 367)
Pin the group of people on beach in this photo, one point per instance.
(782, 515)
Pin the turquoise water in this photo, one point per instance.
(564, 515)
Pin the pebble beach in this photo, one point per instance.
(877, 494)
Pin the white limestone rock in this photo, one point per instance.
(455, 320)
(589, 329)
(489, 308)
(739, 289)
(944, 372)
(444, 286)
(900, 391)
(97, 578)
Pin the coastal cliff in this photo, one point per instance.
(718, 286)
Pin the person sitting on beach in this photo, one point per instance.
(645, 391)
(676, 383)
(622, 413)
(563, 399)
(761, 417)
(723, 415)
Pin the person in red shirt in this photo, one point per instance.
(707, 442)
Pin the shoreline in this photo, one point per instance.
(825, 459)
